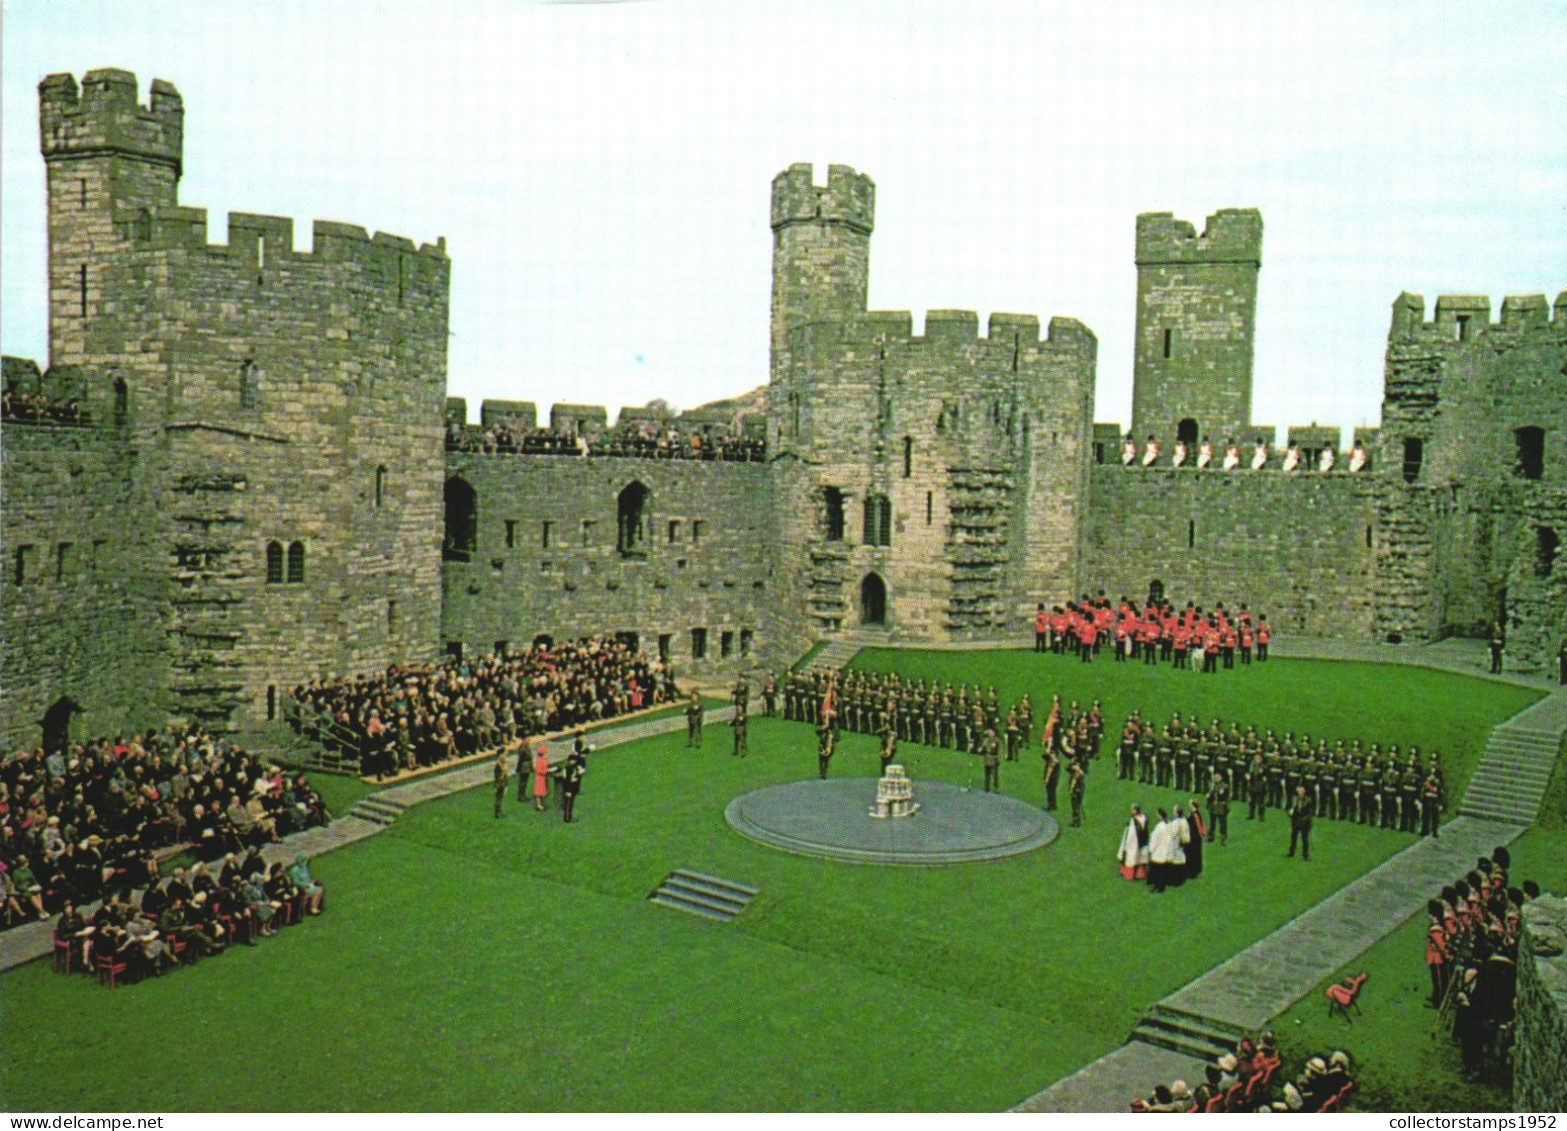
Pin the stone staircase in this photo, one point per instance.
(377, 809)
(699, 894)
(1509, 781)
(837, 654)
(1181, 1031)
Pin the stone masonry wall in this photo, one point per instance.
(1468, 534)
(546, 559)
(79, 614)
(978, 444)
(1540, 1055)
(1196, 323)
(275, 396)
(1292, 546)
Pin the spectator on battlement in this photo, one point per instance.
(631, 439)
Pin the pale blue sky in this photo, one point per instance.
(601, 171)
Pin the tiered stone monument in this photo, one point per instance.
(895, 794)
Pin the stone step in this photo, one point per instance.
(385, 805)
(1490, 813)
(1222, 1032)
(375, 816)
(700, 893)
(679, 903)
(1177, 1040)
(742, 891)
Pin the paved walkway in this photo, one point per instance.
(34, 940)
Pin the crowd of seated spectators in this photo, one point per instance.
(187, 919)
(40, 406)
(1249, 1080)
(1153, 633)
(1471, 954)
(422, 715)
(636, 439)
(78, 823)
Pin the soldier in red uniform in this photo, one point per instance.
(1264, 634)
(1041, 629)
(1437, 952)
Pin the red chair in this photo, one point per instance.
(111, 965)
(64, 955)
(1215, 1103)
(1342, 996)
(1230, 1094)
(1336, 1101)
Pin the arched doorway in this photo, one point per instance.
(873, 600)
(1156, 592)
(1186, 432)
(57, 723)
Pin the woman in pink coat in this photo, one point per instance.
(541, 778)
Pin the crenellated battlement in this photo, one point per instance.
(1232, 235)
(1459, 318)
(849, 198)
(946, 326)
(180, 226)
(103, 115)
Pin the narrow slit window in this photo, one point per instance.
(1191, 533)
(511, 533)
(908, 456)
(930, 507)
(1169, 342)
(82, 288)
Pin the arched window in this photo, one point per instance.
(1529, 459)
(249, 384)
(1186, 432)
(878, 520)
(873, 600)
(462, 520)
(274, 563)
(380, 486)
(632, 520)
(296, 563)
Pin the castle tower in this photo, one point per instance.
(110, 162)
(1196, 326)
(821, 248)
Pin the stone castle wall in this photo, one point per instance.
(547, 558)
(1297, 547)
(1469, 530)
(1540, 1055)
(80, 612)
(274, 397)
(1196, 325)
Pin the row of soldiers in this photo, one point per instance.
(1344, 782)
(955, 718)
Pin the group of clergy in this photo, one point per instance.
(1167, 851)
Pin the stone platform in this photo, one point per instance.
(832, 819)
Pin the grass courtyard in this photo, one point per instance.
(469, 963)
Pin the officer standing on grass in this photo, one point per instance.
(501, 776)
(1219, 809)
(1301, 812)
(571, 781)
(742, 731)
(826, 739)
(1078, 777)
(694, 721)
(990, 751)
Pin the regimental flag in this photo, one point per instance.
(830, 700)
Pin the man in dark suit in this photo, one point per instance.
(571, 781)
(1301, 811)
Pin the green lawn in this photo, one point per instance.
(471, 963)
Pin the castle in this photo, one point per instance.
(262, 481)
